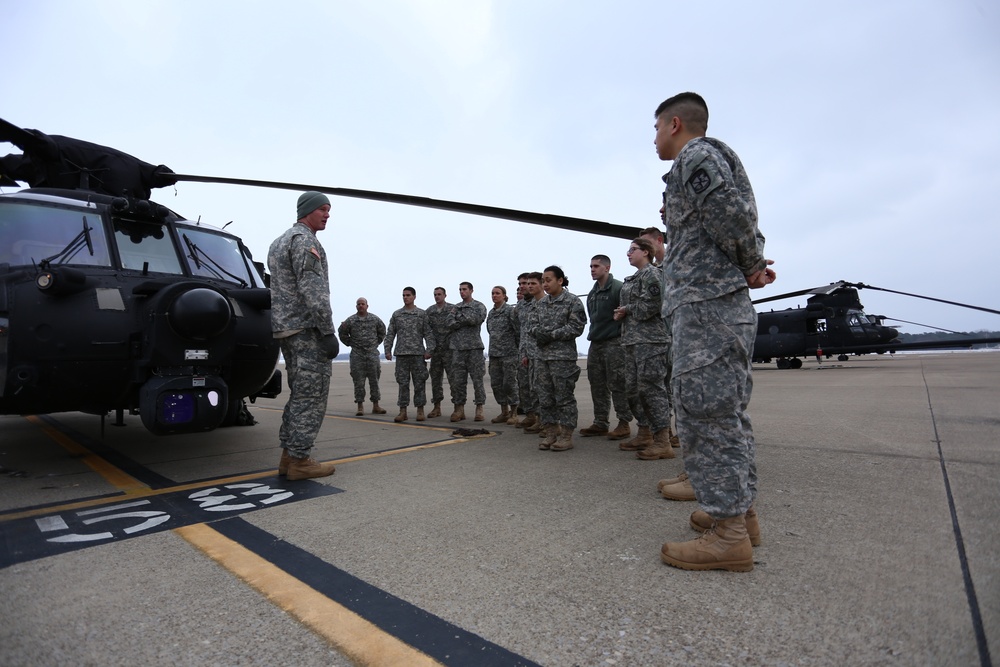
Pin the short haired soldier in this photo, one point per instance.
(410, 329)
(605, 358)
(714, 253)
(505, 335)
(363, 332)
(437, 313)
(465, 321)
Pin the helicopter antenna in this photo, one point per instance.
(544, 219)
(918, 296)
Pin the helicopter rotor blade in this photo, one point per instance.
(825, 289)
(544, 219)
(919, 296)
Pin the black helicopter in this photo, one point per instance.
(111, 302)
(834, 323)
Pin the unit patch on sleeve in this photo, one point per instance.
(699, 181)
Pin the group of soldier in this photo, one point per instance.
(675, 337)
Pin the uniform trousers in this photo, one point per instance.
(308, 371)
(711, 384)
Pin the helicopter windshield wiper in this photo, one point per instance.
(209, 264)
(73, 247)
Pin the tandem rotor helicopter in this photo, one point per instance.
(110, 302)
(834, 323)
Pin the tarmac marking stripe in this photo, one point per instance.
(432, 636)
(357, 638)
(114, 476)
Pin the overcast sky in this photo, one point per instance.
(869, 129)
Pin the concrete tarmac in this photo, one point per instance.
(879, 498)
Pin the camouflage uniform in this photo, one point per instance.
(441, 354)
(363, 335)
(300, 316)
(527, 349)
(505, 336)
(465, 320)
(556, 324)
(644, 337)
(606, 358)
(410, 329)
(712, 243)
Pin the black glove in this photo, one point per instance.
(544, 337)
(330, 345)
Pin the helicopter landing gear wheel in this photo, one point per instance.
(783, 364)
(842, 357)
(795, 363)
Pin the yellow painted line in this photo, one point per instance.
(359, 639)
(116, 477)
(143, 491)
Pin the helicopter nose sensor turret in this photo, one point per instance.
(199, 314)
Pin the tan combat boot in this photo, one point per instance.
(622, 431)
(594, 430)
(401, 417)
(503, 416)
(670, 480)
(420, 413)
(285, 460)
(436, 412)
(361, 410)
(529, 420)
(308, 468)
(726, 546)
(702, 522)
(679, 491)
(643, 438)
(564, 440)
(535, 426)
(376, 409)
(660, 449)
(548, 435)
(479, 414)
(459, 413)
(512, 417)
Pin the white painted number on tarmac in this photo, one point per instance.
(151, 518)
(217, 500)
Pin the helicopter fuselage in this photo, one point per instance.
(830, 324)
(109, 303)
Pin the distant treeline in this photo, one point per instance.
(935, 336)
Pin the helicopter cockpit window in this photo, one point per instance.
(145, 245)
(213, 255)
(31, 233)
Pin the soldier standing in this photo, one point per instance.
(363, 332)
(655, 236)
(714, 253)
(410, 329)
(528, 351)
(302, 321)
(505, 335)
(557, 322)
(606, 358)
(644, 338)
(465, 320)
(441, 354)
